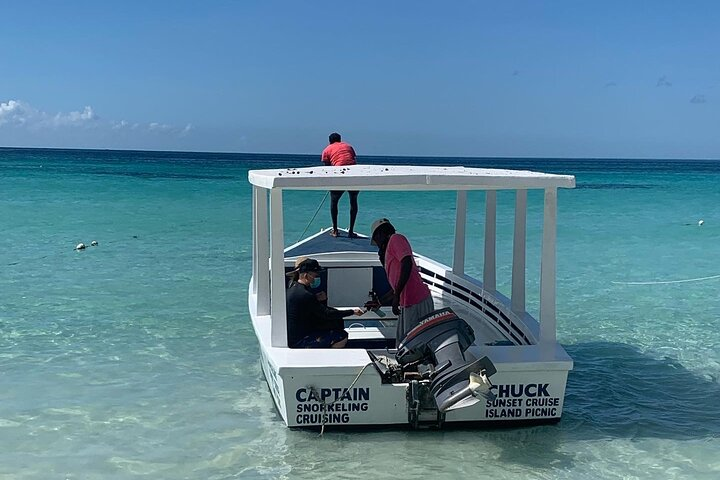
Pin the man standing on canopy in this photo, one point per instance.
(339, 154)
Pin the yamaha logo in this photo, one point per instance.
(441, 315)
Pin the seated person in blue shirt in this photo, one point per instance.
(310, 323)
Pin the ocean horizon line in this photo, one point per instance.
(406, 156)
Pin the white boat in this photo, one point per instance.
(513, 372)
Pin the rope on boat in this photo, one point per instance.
(667, 282)
(322, 402)
(313, 217)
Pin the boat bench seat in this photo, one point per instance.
(370, 334)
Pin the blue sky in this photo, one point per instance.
(537, 79)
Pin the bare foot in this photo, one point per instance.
(333, 233)
(353, 235)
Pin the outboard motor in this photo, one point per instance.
(438, 346)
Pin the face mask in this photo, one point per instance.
(315, 283)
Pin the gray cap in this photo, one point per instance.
(375, 225)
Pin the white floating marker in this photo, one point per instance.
(94, 243)
(700, 223)
(80, 246)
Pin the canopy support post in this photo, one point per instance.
(517, 300)
(548, 269)
(489, 263)
(261, 253)
(460, 226)
(278, 330)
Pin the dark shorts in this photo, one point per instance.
(336, 194)
(321, 339)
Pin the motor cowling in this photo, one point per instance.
(438, 345)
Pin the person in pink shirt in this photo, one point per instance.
(339, 154)
(411, 298)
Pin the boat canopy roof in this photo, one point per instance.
(405, 177)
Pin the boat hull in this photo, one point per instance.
(313, 396)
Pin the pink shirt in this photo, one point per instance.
(415, 290)
(338, 154)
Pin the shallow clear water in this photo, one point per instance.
(136, 358)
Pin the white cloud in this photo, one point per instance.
(75, 118)
(159, 126)
(15, 112)
(22, 115)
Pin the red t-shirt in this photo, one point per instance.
(338, 154)
(415, 290)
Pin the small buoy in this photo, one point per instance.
(94, 243)
(700, 223)
(80, 246)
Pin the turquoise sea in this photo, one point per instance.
(136, 358)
